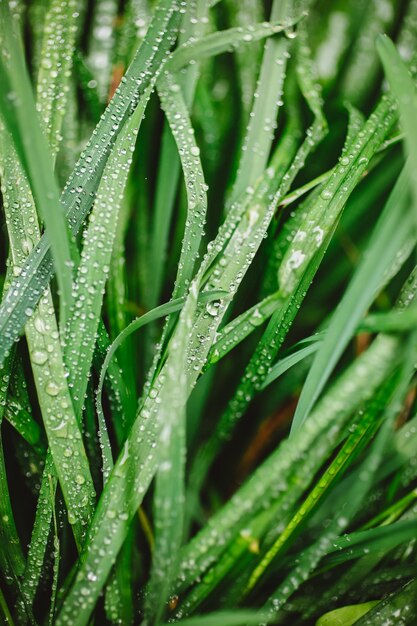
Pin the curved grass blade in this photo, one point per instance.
(223, 41)
(19, 113)
(346, 396)
(46, 355)
(391, 235)
(78, 195)
(173, 306)
(169, 163)
(176, 111)
(125, 488)
(95, 258)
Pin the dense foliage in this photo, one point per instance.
(208, 324)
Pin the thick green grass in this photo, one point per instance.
(208, 324)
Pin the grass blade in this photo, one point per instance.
(18, 110)
(405, 92)
(79, 192)
(359, 296)
(95, 258)
(55, 66)
(46, 354)
(169, 488)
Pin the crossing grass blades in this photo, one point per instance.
(208, 340)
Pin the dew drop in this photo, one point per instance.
(52, 388)
(39, 357)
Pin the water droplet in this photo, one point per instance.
(39, 357)
(212, 308)
(52, 388)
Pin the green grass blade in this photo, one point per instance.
(282, 318)
(405, 92)
(169, 496)
(355, 545)
(26, 426)
(284, 364)
(173, 306)
(239, 328)
(262, 122)
(100, 52)
(34, 569)
(95, 258)
(125, 488)
(347, 395)
(381, 254)
(400, 606)
(224, 41)
(78, 195)
(169, 163)
(55, 67)
(12, 557)
(309, 559)
(18, 110)
(176, 111)
(362, 433)
(46, 355)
